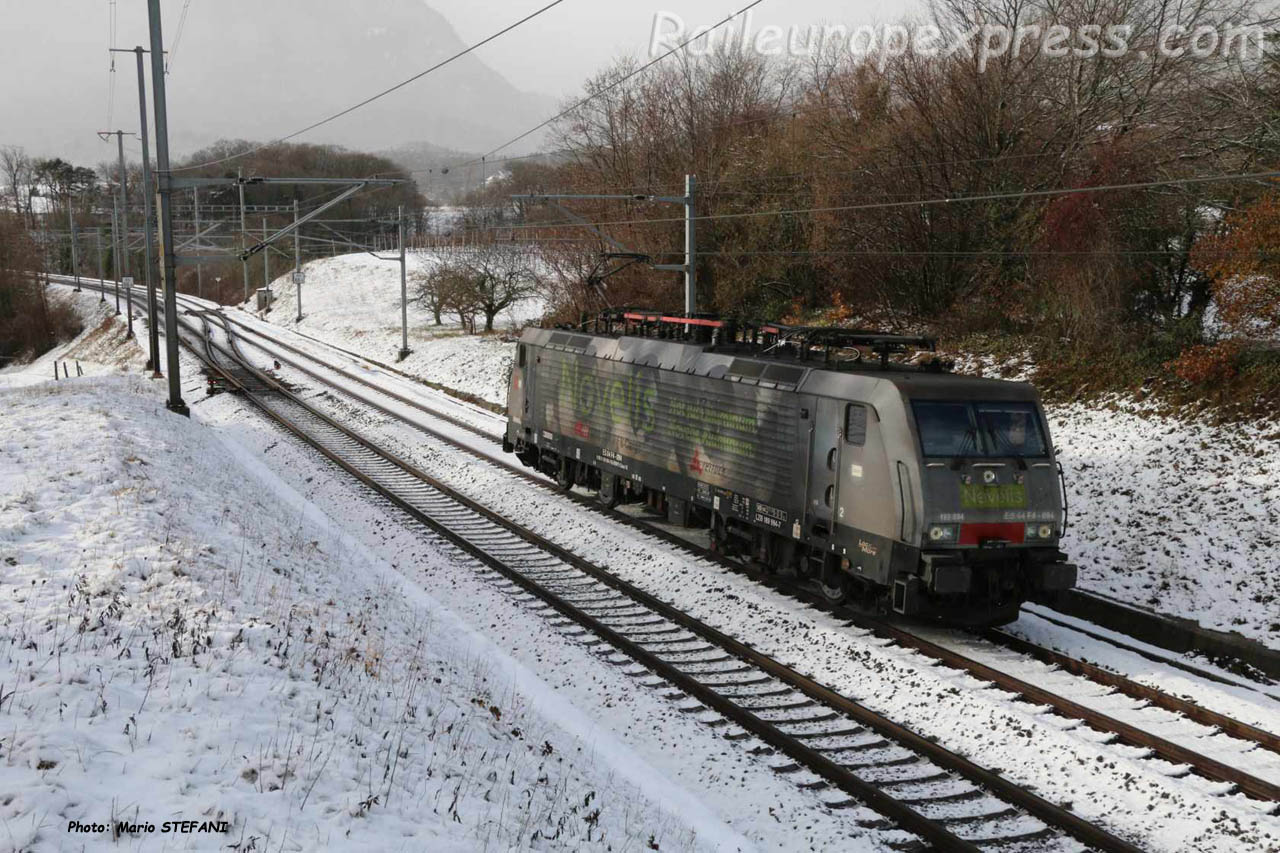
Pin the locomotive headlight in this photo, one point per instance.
(1039, 531)
(942, 533)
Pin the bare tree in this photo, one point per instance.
(429, 291)
(449, 287)
(18, 174)
(497, 276)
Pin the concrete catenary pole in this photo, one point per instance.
(124, 232)
(75, 245)
(404, 293)
(266, 260)
(153, 332)
(102, 270)
(690, 246)
(115, 247)
(195, 192)
(297, 259)
(168, 269)
(244, 232)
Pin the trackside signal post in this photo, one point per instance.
(298, 277)
(404, 291)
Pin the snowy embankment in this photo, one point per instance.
(188, 640)
(97, 350)
(353, 302)
(1179, 517)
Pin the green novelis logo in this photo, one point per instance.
(1008, 496)
(622, 400)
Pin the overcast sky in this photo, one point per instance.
(556, 51)
(53, 91)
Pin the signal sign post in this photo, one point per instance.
(299, 279)
(127, 281)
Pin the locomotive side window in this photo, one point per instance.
(855, 424)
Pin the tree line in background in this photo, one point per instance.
(841, 150)
(46, 195)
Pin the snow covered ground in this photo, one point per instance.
(185, 638)
(189, 633)
(1180, 517)
(353, 301)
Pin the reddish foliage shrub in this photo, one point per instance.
(1207, 364)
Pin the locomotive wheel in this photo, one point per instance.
(837, 594)
(566, 474)
(808, 566)
(719, 534)
(610, 494)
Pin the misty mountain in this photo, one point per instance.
(278, 67)
(259, 70)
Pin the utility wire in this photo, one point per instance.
(177, 39)
(945, 200)
(384, 92)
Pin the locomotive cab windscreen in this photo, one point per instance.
(958, 430)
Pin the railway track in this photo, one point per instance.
(1119, 730)
(858, 756)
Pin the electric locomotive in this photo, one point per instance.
(806, 450)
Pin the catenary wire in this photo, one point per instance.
(944, 200)
(177, 39)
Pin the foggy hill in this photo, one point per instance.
(294, 63)
(258, 70)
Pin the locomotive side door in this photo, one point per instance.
(519, 390)
(824, 468)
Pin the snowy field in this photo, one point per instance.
(186, 638)
(1180, 517)
(353, 301)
